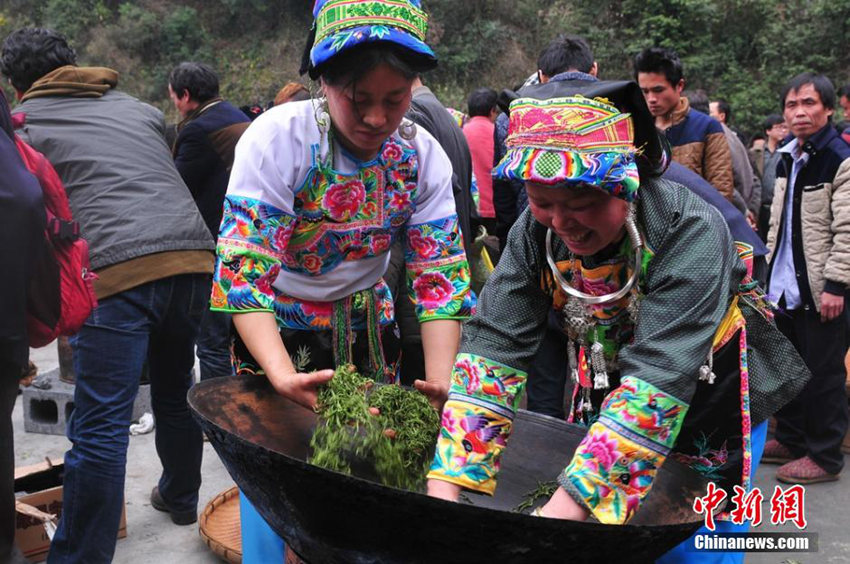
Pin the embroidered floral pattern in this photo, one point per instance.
(341, 215)
(477, 421)
(340, 218)
(343, 201)
(613, 467)
(310, 315)
(437, 271)
(251, 243)
(611, 474)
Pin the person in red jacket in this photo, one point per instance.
(479, 130)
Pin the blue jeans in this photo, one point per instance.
(214, 345)
(156, 322)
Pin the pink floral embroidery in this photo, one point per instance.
(599, 286)
(425, 247)
(400, 200)
(281, 236)
(353, 246)
(433, 290)
(448, 420)
(392, 152)
(468, 372)
(342, 201)
(380, 243)
(602, 448)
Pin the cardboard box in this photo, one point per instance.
(41, 486)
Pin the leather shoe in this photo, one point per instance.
(177, 517)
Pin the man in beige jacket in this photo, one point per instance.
(809, 242)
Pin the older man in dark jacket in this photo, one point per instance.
(153, 255)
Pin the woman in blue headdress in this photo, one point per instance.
(318, 192)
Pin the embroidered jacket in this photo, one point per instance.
(689, 285)
(305, 224)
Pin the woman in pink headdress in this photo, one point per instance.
(672, 348)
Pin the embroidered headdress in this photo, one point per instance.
(340, 25)
(571, 140)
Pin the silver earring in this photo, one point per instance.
(320, 111)
(407, 130)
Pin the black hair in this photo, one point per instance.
(822, 85)
(30, 53)
(565, 53)
(481, 102)
(697, 99)
(757, 135)
(844, 91)
(660, 60)
(353, 64)
(199, 80)
(771, 120)
(723, 107)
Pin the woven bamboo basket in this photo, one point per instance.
(220, 526)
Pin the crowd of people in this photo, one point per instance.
(659, 281)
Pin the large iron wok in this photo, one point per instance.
(325, 516)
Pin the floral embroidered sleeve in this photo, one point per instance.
(499, 343)
(477, 419)
(437, 272)
(252, 237)
(613, 468)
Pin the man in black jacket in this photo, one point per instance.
(203, 153)
(22, 220)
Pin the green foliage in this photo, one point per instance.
(137, 31)
(73, 17)
(183, 37)
(742, 50)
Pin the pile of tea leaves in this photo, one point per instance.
(396, 441)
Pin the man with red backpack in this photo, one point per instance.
(22, 221)
(153, 256)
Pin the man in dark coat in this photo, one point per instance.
(203, 153)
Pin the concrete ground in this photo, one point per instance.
(151, 537)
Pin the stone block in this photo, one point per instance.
(48, 411)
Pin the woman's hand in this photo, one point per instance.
(301, 387)
(562, 506)
(436, 392)
(443, 490)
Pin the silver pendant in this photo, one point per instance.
(706, 371)
(571, 357)
(600, 372)
(578, 321)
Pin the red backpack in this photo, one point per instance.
(61, 295)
